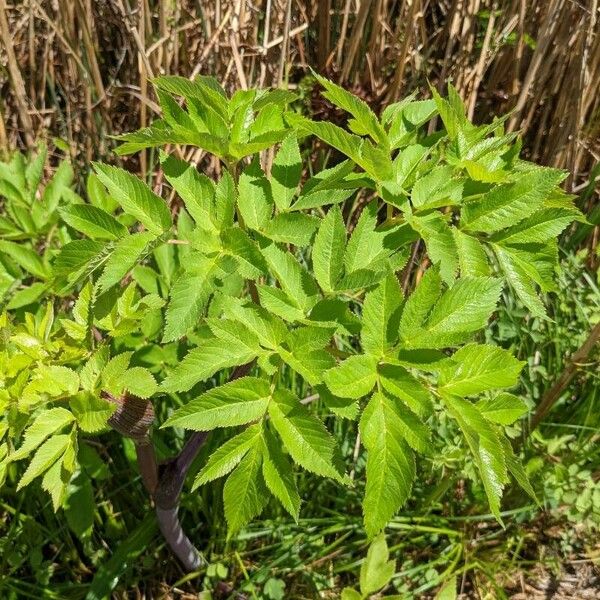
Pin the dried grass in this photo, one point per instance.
(77, 69)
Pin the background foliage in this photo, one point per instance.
(76, 72)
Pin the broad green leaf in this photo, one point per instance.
(46, 423)
(92, 413)
(448, 590)
(461, 311)
(437, 188)
(79, 256)
(292, 228)
(380, 317)
(419, 304)
(294, 279)
(245, 493)
(269, 329)
(377, 569)
(112, 373)
(365, 122)
(235, 403)
(503, 409)
(234, 333)
(46, 455)
(440, 243)
(255, 202)
(127, 252)
(93, 222)
(451, 120)
(540, 227)
(390, 463)
(365, 245)
(472, 259)
(140, 382)
(519, 280)
(203, 362)
(311, 364)
(135, 198)
(57, 477)
(195, 189)
(279, 303)
(516, 469)
(228, 455)
(353, 377)
(507, 204)
(486, 447)
(328, 250)
(25, 258)
(310, 445)
(398, 382)
(373, 160)
(278, 474)
(188, 297)
(476, 368)
(80, 506)
(238, 243)
(286, 172)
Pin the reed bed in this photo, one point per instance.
(78, 70)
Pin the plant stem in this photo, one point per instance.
(554, 393)
(170, 484)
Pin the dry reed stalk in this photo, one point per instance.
(83, 64)
(16, 79)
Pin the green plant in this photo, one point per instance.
(247, 298)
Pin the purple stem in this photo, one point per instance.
(171, 479)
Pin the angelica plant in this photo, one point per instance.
(364, 287)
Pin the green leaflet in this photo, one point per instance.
(398, 382)
(286, 172)
(294, 279)
(93, 222)
(472, 259)
(380, 318)
(507, 204)
(310, 445)
(227, 456)
(92, 413)
(460, 311)
(519, 279)
(353, 377)
(236, 403)
(377, 569)
(25, 258)
(503, 409)
(278, 475)
(476, 368)
(269, 329)
(485, 444)
(45, 424)
(255, 202)
(364, 122)
(441, 244)
(328, 250)
(135, 198)
(239, 244)
(245, 493)
(390, 463)
(195, 189)
(46, 455)
(127, 252)
(203, 362)
(540, 227)
(292, 228)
